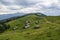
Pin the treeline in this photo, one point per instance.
(12, 18)
(3, 27)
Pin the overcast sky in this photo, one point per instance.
(49, 7)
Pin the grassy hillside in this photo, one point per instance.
(49, 28)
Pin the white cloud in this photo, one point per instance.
(15, 7)
(45, 6)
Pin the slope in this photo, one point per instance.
(48, 30)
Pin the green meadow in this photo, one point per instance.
(49, 28)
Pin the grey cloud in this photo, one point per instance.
(49, 8)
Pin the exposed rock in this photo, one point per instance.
(37, 27)
(27, 25)
(15, 28)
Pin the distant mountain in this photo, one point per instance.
(5, 16)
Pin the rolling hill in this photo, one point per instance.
(49, 28)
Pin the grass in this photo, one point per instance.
(49, 29)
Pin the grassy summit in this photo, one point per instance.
(49, 28)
